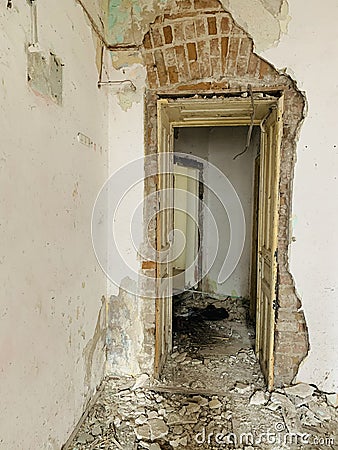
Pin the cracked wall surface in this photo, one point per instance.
(127, 21)
(290, 35)
(52, 347)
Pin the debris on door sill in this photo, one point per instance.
(211, 395)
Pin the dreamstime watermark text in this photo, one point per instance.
(277, 437)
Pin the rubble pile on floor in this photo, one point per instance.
(209, 400)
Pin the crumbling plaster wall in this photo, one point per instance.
(128, 21)
(308, 52)
(52, 319)
(297, 39)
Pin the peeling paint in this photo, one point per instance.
(133, 71)
(128, 20)
(93, 350)
(251, 14)
(125, 332)
(124, 59)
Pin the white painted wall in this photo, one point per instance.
(218, 146)
(309, 52)
(51, 283)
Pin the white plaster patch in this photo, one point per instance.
(264, 20)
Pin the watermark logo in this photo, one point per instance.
(279, 436)
(125, 220)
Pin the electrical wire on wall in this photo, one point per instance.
(127, 83)
(248, 139)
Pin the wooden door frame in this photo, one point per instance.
(206, 113)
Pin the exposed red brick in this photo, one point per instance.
(184, 4)
(224, 52)
(245, 48)
(194, 70)
(203, 50)
(157, 37)
(265, 69)
(200, 25)
(203, 86)
(212, 25)
(182, 15)
(161, 68)
(215, 49)
(148, 59)
(147, 42)
(192, 52)
(152, 77)
(226, 25)
(253, 64)
(178, 33)
(173, 74)
(168, 34)
(209, 5)
(189, 30)
(232, 56)
(146, 265)
(215, 67)
(218, 86)
(170, 56)
(237, 31)
(182, 64)
(242, 66)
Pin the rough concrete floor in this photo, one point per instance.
(211, 396)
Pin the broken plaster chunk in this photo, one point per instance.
(178, 429)
(85, 438)
(96, 430)
(258, 398)
(158, 429)
(279, 400)
(174, 419)
(141, 420)
(193, 408)
(215, 404)
(300, 390)
(140, 381)
(241, 388)
(152, 415)
(117, 422)
(142, 432)
(332, 400)
(202, 401)
(181, 357)
(321, 411)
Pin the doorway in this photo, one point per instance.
(229, 120)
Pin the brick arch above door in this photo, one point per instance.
(195, 47)
(195, 44)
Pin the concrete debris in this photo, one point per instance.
(143, 432)
(158, 429)
(300, 390)
(332, 400)
(196, 398)
(279, 400)
(258, 398)
(140, 381)
(215, 404)
(242, 387)
(96, 431)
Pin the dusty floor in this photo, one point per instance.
(211, 396)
